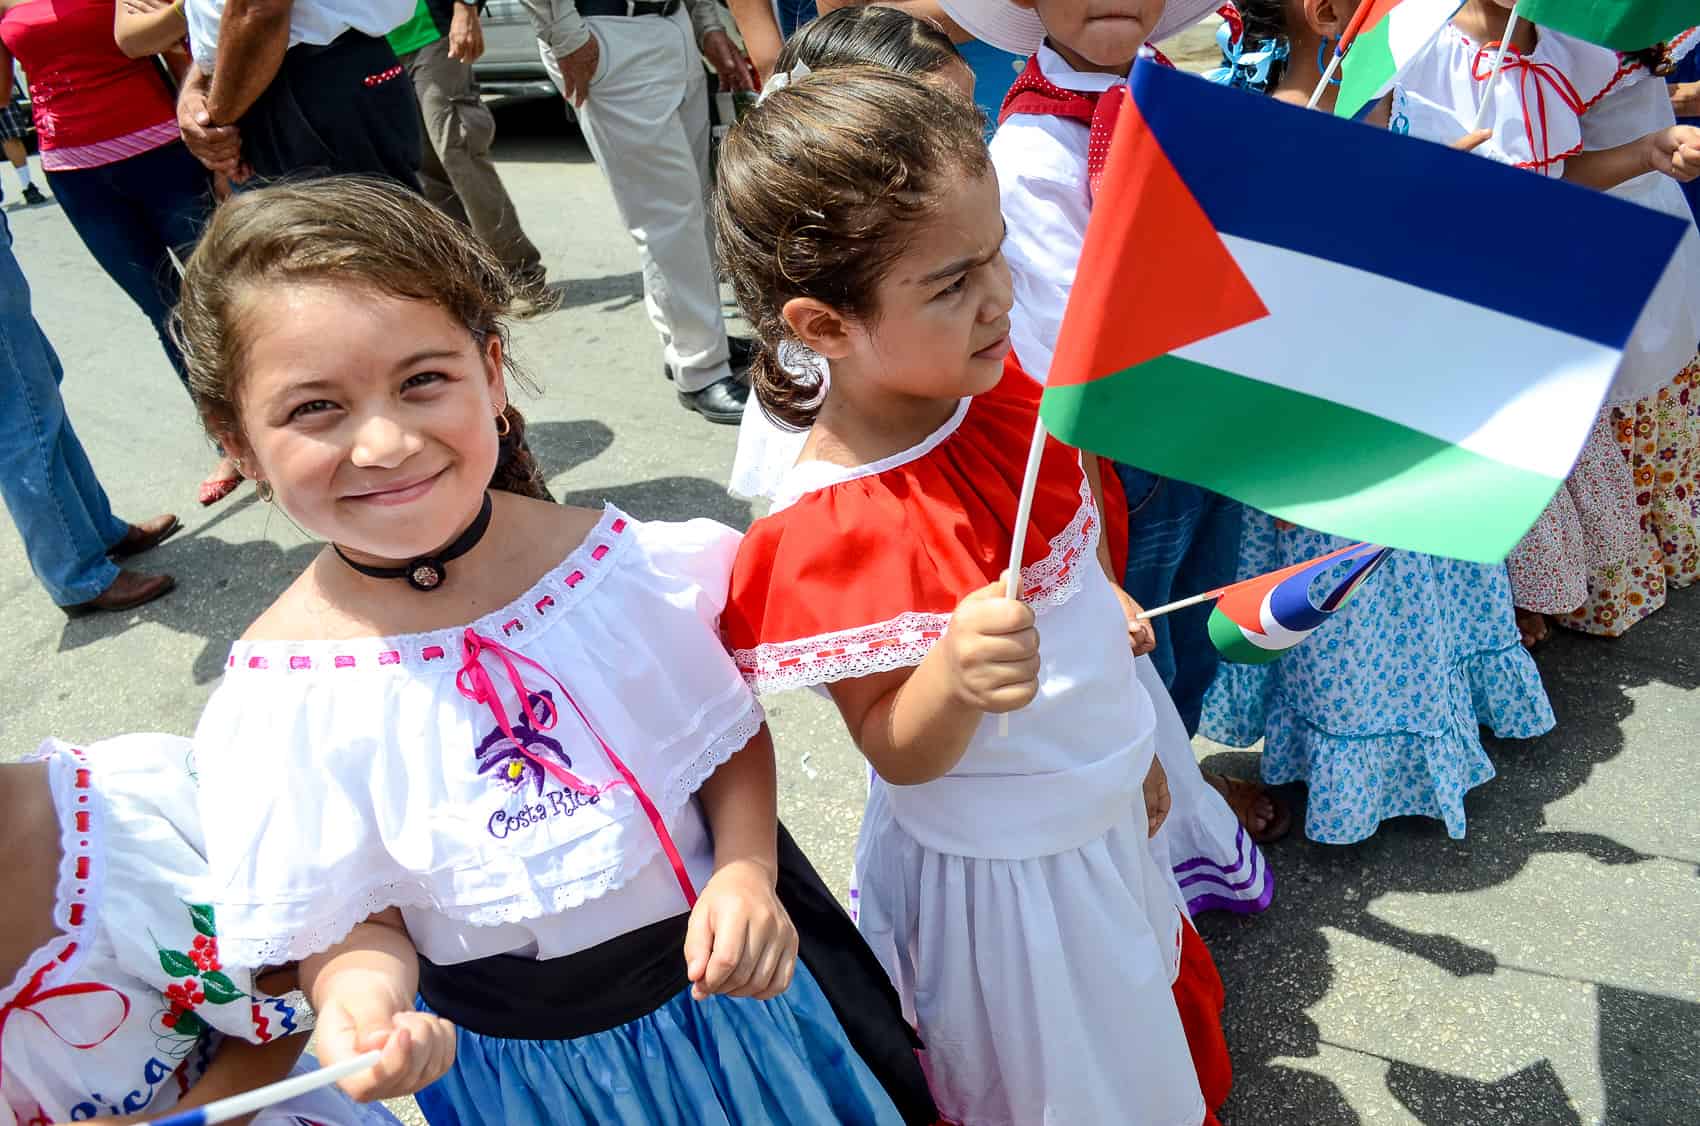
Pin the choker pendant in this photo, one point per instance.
(428, 572)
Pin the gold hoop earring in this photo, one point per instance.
(503, 425)
(264, 488)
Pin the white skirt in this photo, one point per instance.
(1042, 987)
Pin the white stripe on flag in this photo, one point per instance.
(1519, 393)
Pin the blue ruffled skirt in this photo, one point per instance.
(726, 1061)
(1379, 711)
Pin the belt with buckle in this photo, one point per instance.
(662, 8)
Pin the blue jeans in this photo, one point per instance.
(793, 14)
(129, 214)
(1182, 540)
(58, 506)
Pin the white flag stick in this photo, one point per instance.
(1327, 75)
(1498, 65)
(1023, 510)
(1181, 604)
(249, 1101)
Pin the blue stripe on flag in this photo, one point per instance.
(1407, 210)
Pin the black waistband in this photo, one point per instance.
(517, 998)
(626, 7)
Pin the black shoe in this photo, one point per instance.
(721, 401)
(33, 196)
(740, 353)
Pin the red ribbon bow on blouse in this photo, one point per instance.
(1541, 77)
(474, 682)
(1033, 93)
(31, 996)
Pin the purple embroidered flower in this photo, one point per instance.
(502, 759)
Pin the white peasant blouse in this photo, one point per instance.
(342, 778)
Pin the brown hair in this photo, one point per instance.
(350, 230)
(1658, 59)
(871, 35)
(817, 186)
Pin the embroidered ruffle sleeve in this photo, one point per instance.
(857, 571)
(1538, 100)
(341, 778)
(121, 1012)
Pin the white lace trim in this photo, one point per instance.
(533, 902)
(903, 641)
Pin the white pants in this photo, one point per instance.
(646, 122)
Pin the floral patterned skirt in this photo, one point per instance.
(1588, 527)
(1379, 712)
(1660, 435)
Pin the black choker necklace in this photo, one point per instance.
(428, 571)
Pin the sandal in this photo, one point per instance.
(215, 489)
(1242, 797)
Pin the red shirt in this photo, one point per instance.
(83, 90)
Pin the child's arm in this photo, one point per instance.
(913, 725)
(237, 1068)
(740, 941)
(363, 990)
(1674, 151)
(760, 32)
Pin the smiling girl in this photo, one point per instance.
(513, 771)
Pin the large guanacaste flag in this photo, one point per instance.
(1624, 25)
(1393, 33)
(1290, 309)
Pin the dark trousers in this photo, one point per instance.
(343, 108)
(1182, 540)
(130, 214)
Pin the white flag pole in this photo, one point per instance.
(248, 1102)
(1498, 65)
(1328, 74)
(1023, 511)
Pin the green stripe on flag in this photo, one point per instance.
(1230, 641)
(1624, 25)
(1366, 70)
(1312, 461)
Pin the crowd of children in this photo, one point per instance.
(519, 829)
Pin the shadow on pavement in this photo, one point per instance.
(616, 291)
(1276, 965)
(564, 446)
(669, 498)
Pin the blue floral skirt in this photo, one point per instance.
(1379, 711)
(725, 1061)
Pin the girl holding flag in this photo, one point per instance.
(1379, 712)
(1007, 881)
(1626, 527)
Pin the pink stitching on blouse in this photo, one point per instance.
(343, 661)
(432, 653)
(389, 657)
(300, 662)
(601, 550)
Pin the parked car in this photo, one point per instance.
(510, 66)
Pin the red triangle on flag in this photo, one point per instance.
(1153, 275)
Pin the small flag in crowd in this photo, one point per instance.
(1257, 620)
(1624, 25)
(1393, 35)
(1340, 347)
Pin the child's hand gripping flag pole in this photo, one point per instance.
(1385, 47)
(1258, 619)
(248, 1102)
(1389, 376)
